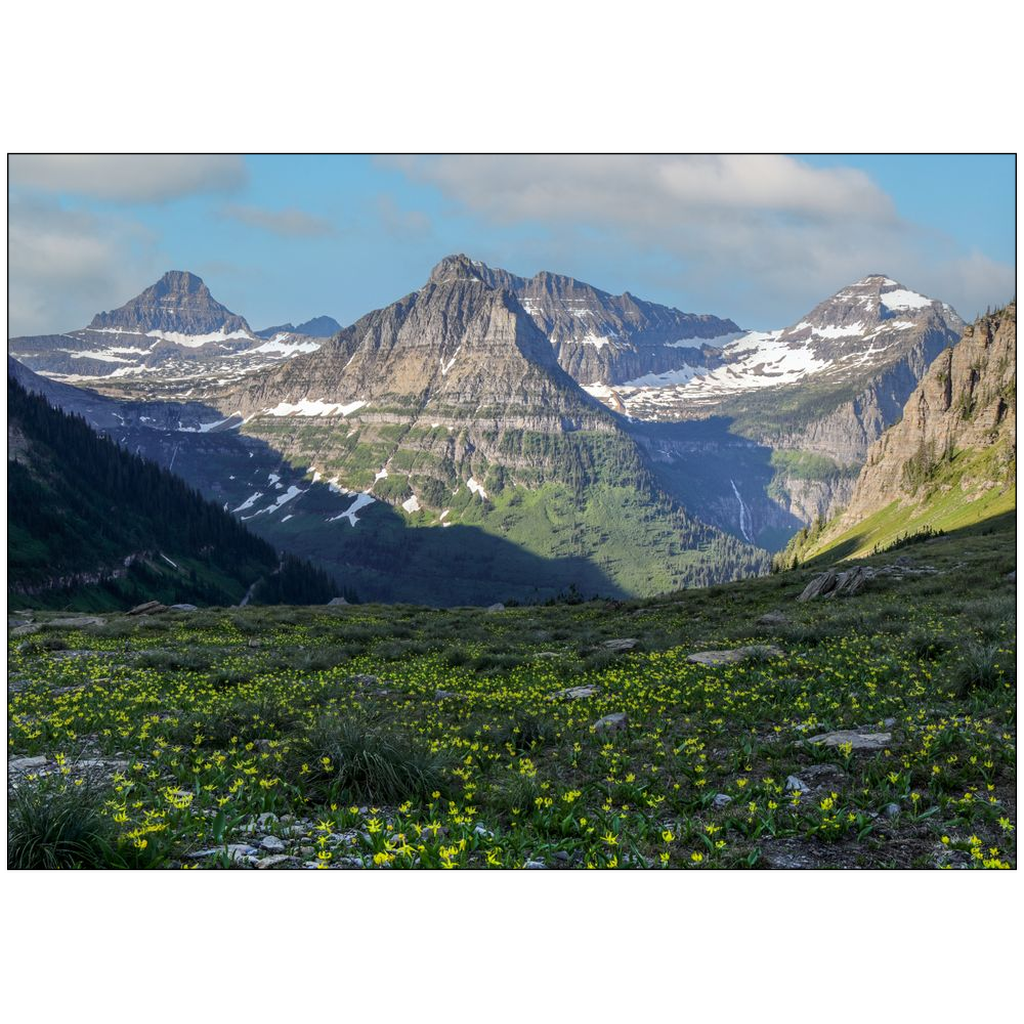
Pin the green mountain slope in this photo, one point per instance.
(92, 527)
(950, 462)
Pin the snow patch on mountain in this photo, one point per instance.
(198, 340)
(280, 345)
(657, 380)
(362, 500)
(903, 299)
(314, 407)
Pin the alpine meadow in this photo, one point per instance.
(468, 562)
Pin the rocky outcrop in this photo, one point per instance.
(967, 400)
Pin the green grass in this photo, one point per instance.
(449, 742)
(948, 497)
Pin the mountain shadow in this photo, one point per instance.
(720, 477)
(366, 546)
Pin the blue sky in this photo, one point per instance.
(758, 239)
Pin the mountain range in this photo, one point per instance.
(171, 336)
(492, 437)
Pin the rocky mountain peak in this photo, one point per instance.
(870, 302)
(179, 302)
(458, 267)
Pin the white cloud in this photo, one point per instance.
(648, 191)
(140, 178)
(287, 223)
(65, 266)
(758, 238)
(405, 225)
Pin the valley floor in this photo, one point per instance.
(567, 735)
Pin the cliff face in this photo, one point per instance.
(966, 401)
(598, 337)
(456, 350)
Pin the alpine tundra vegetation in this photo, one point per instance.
(871, 730)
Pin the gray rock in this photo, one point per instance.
(721, 800)
(26, 630)
(891, 810)
(445, 694)
(838, 584)
(147, 608)
(497, 607)
(626, 643)
(794, 784)
(611, 723)
(858, 740)
(269, 862)
(822, 774)
(272, 844)
(820, 585)
(236, 851)
(484, 832)
(535, 865)
(575, 692)
(26, 764)
(77, 622)
(334, 601)
(184, 608)
(1012, 576)
(735, 655)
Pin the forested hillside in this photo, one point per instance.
(93, 526)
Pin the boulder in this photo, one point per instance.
(269, 862)
(735, 655)
(626, 643)
(272, 844)
(26, 764)
(26, 630)
(147, 608)
(819, 586)
(336, 601)
(838, 584)
(498, 607)
(611, 723)
(857, 740)
(575, 692)
(721, 800)
(796, 785)
(851, 582)
(184, 608)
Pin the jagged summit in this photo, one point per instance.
(869, 303)
(458, 267)
(595, 335)
(179, 303)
